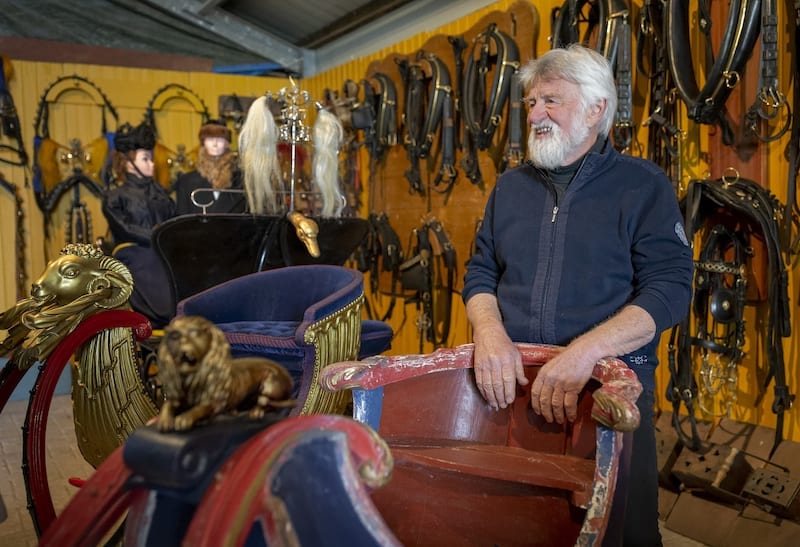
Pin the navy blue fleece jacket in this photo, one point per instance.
(561, 266)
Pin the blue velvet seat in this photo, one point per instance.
(304, 317)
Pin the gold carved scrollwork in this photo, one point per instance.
(335, 338)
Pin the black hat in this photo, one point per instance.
(129, 138)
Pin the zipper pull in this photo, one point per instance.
(555, 211)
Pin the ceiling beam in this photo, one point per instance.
(206, 14)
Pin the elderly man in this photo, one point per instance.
(581, 247)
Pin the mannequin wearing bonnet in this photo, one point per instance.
(217, 169)
(132, 210)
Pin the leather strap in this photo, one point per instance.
(609, 20)
(664, 135)
(459, 45)
(770, 101)
(623, 67)
(515, 152)
(792, 150)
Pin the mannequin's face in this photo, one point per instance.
(144, 161)
(215, 146)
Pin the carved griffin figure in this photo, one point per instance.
(200, 379)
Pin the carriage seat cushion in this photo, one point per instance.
(278, 329)
(276, 339)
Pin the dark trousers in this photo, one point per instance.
(634, 516)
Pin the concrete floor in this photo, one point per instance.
(64, 461)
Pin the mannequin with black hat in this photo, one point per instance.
(132, 209)
(206, 188)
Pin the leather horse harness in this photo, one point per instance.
(663, 121)
(706, 105)
(431, 290)
(492, 50)
(607, 24)
(714, 325)
(168, 163)
(376, 115)
(428, 105)
(79, 165)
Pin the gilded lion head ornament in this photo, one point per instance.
(82, 281)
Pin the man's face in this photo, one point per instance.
(560, 131)
(143, 160)
(215, 146)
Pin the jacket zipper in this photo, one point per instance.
(551, 251)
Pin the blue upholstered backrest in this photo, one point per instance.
(293, 293)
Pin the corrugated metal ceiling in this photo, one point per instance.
(279, 36)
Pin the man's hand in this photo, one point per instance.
(554, 393)
(498, 367)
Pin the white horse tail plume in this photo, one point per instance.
(259, 159)
(328, 137)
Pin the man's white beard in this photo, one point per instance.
(552, 151)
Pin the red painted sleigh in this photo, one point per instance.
(444, 469)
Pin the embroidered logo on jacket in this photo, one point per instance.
(681, 233)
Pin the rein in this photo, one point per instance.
(706, 105)
(663, 132)
(482, 115)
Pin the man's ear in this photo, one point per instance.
(595, 112)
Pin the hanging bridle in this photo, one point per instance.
(9, 124)
(753, 203)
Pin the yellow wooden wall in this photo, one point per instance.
(130, 89)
